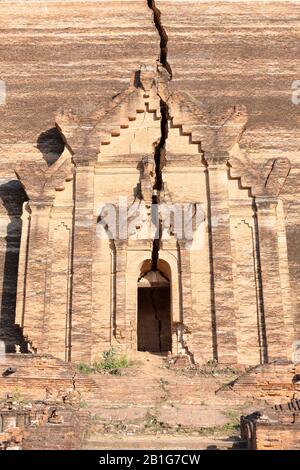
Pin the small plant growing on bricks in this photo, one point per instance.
(110, 362)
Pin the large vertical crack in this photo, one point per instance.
(163, 56)
(160, 150)
(158, 185)
(156, 316)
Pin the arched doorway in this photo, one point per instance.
(154, 332)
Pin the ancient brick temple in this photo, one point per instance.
(215, 286)
(156, 225)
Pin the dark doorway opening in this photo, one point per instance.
(154, 317)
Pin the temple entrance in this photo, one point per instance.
(154, 332)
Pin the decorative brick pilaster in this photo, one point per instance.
(84, 230)
(36, 272)
(221, 260)
(120, 290)
(185, 282)
(40, 183)
(270, 274)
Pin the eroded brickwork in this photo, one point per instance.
(227, 272)
(45, 425)
(35, 376)
(277, 428)
(155, 135)
(273, 383)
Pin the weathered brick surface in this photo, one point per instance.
(273, 429)
(212, 126)
(93, 42)
(207, 278)
(42, 426)
(35, 374)
(274, 383)
(145, 139)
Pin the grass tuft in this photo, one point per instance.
(111, 362)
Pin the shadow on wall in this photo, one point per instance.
(51, 145)
(12, 197)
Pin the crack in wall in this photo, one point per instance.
(157, 319)
(163, 57)
(157, 238)
(160, 149)
(160, 153)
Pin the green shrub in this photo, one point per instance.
(83, 404)
(111, 362)
(16, 396)
(84, 368)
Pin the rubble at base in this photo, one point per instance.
(53, 424)
(274, 428)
